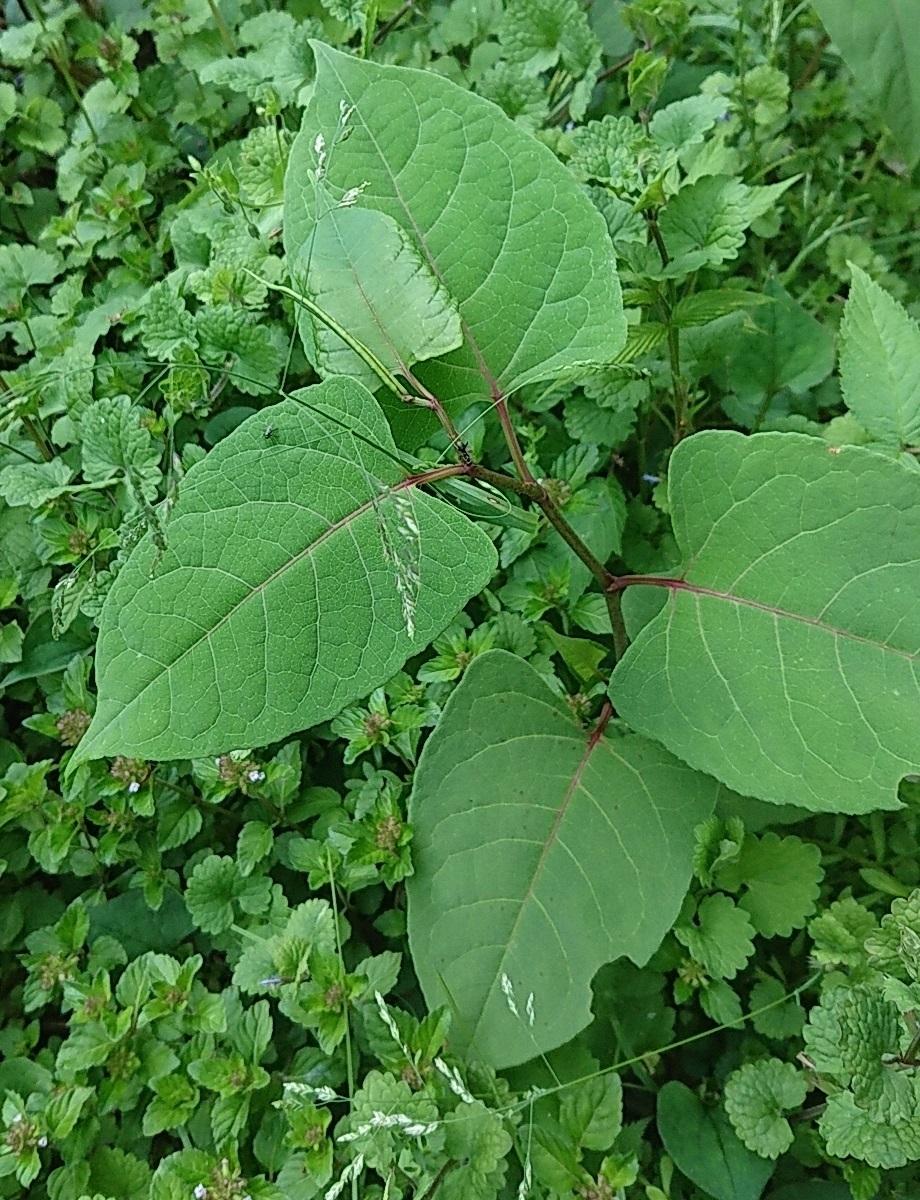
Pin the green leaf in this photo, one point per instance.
(22, 267)
(704, 224)
(538, 34)
(494, 215)
(781, 878)
(879, 45)
(702, 307)
(706, 1150)
(719, 938)
(591, 1112)
(757, 1096)
(113, 441)
(533, 861)
(685, 122)
(233, 638)
(252, 354)
(34, 484)
(880, 362)
(782, 346)
(217, 884)
(784, 658)
(365, 272)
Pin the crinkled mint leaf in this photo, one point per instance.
(757, 1097)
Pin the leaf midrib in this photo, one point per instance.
(335, 527)
(774, 610)
(595, 739)
(485, 371)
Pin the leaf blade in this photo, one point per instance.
(880, 362)
(268, 612)
(508, 822)
(475, 194)
(784, 659)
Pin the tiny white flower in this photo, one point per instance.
(255, 775)
(42, 1142)
(200, 1191)
(134, 787)
(508, 992)
(349, 197)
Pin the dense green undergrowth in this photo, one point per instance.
(458, 558)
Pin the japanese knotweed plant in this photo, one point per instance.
(442, 257)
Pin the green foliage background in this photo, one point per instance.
(206, 988)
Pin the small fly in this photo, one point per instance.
(268, 431)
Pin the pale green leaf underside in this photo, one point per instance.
(785, 661)
(540, 854)
(361, 268)
(880, 362)
(493, 213)
(878, 41)
(276, 601)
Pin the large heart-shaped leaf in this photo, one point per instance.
(542, 851)
(785, 658)
(301, 569)
(497, 220)
(878, 41)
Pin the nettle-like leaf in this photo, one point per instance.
(880, 362)
(704, 224)
(542, 851)
(496, 219)
(784, 657)
(278, 599)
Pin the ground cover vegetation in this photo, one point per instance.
(459, 550)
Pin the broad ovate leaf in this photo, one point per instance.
(301, 569)
(542, 851)
(496, 219)
(880, 362)
(364, 271)
(784, 660)
(879, 44)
